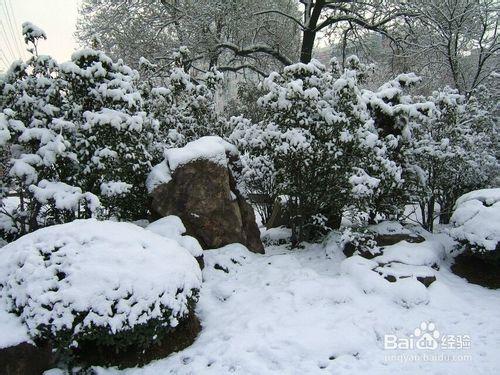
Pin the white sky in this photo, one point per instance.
(56, 17)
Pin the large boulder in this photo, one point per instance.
(197, 184)
(476, 228)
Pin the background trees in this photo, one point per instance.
(233, 35)
(453, 42)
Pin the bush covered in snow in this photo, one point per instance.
(453, 149)
(37, 145)
(98, 283)
(321, 143)
(184, 106)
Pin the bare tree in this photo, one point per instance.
(454, 41)
(228, 34)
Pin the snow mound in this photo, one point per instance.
(112, 276)
(211, 148)
(276, 236)
(415, 254)
(389, 227)
(172, 227)
(476, 219)
(369, 276)
(229, 258)
(487, 196)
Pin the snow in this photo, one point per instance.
(4, 130)
(32, 32)
(13, 332)
(427, 253)
(488, 196)
(8, 207)
(276, 236)
(476, 219)
(388, 227)
(96, 267)
(160, 174)
(312, 311)
(64, 196)
(114, 188)
(211, 148)
(172, 227)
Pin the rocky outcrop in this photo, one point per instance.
(388, 239)
(25, 359)
(479, 268)
(476, 228)
(196, 183)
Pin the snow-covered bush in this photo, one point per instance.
(395, 114)
(258, 173)
(98, 284)
(184, 107)
(321, 140)
(476, 220)
(453, 150)
(38, 147)
(113, 133)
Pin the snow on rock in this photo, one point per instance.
(417, 254)
(160, 174)
(295, 312)
(488, 196)
(275, 236)
(211, 148)
(172, 227)
(476, 219)
(117, 274)
(389, 227)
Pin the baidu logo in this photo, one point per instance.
(426, 337)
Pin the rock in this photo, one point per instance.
(25, 359)
(369, 253)
(479, 268)
(395, 271)
(203, 192)
(391, 239)
(426, 280)
(476, 228)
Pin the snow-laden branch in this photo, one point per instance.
(301, 25)
(256, 48)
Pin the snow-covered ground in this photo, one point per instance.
(310, 311)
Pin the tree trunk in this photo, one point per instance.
(446, 210)
(430, 214)
(307, 46)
